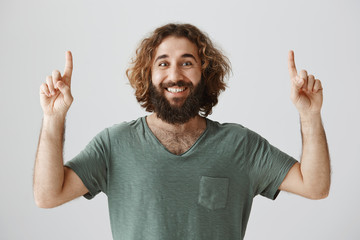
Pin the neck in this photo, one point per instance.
(194, 124)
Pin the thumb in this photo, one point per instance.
(297, 84)
(65, 90)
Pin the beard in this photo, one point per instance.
(177, 113)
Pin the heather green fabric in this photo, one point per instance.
(205, 193)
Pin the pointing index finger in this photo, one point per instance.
(68, 66)
(291, 65)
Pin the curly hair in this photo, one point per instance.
(214, 65)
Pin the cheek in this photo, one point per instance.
(195, 76)
(156, 77)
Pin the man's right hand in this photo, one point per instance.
(55, 184)
(55, 94)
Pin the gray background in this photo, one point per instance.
(255, 35)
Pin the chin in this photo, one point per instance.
(176, 102)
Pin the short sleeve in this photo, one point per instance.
(91, 164)
(268, 166)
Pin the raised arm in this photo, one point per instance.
(311, 177)
(55, 184)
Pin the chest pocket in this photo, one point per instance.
(213, 192)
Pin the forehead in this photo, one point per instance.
(173, 46)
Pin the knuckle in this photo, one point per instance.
(43, 87)
(55, 72)
(303, 71)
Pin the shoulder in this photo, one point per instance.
(231, 129)
(224, 126)
(234, 132)
(126, 128)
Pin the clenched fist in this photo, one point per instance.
(55, 94)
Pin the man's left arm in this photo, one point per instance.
(311, 177)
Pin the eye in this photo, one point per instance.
(163, 64)
(187, 64)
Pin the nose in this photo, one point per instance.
(175, 73)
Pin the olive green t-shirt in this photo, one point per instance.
(205, 193)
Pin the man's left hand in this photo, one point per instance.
(306, 91)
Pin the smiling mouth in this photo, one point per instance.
(176, 90)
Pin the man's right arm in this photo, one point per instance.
(55, 184)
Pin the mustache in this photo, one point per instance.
(180, 83)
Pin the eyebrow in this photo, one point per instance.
(185, 55)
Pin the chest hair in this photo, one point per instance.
(177, 143)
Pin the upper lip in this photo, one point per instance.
(179, 84)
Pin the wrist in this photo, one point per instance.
(309, 116)
(311, 124)
(54, 117)
(53, 123)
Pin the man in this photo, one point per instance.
(175, 174)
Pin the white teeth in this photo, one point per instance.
(176, 90)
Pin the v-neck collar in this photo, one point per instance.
(187, 152)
